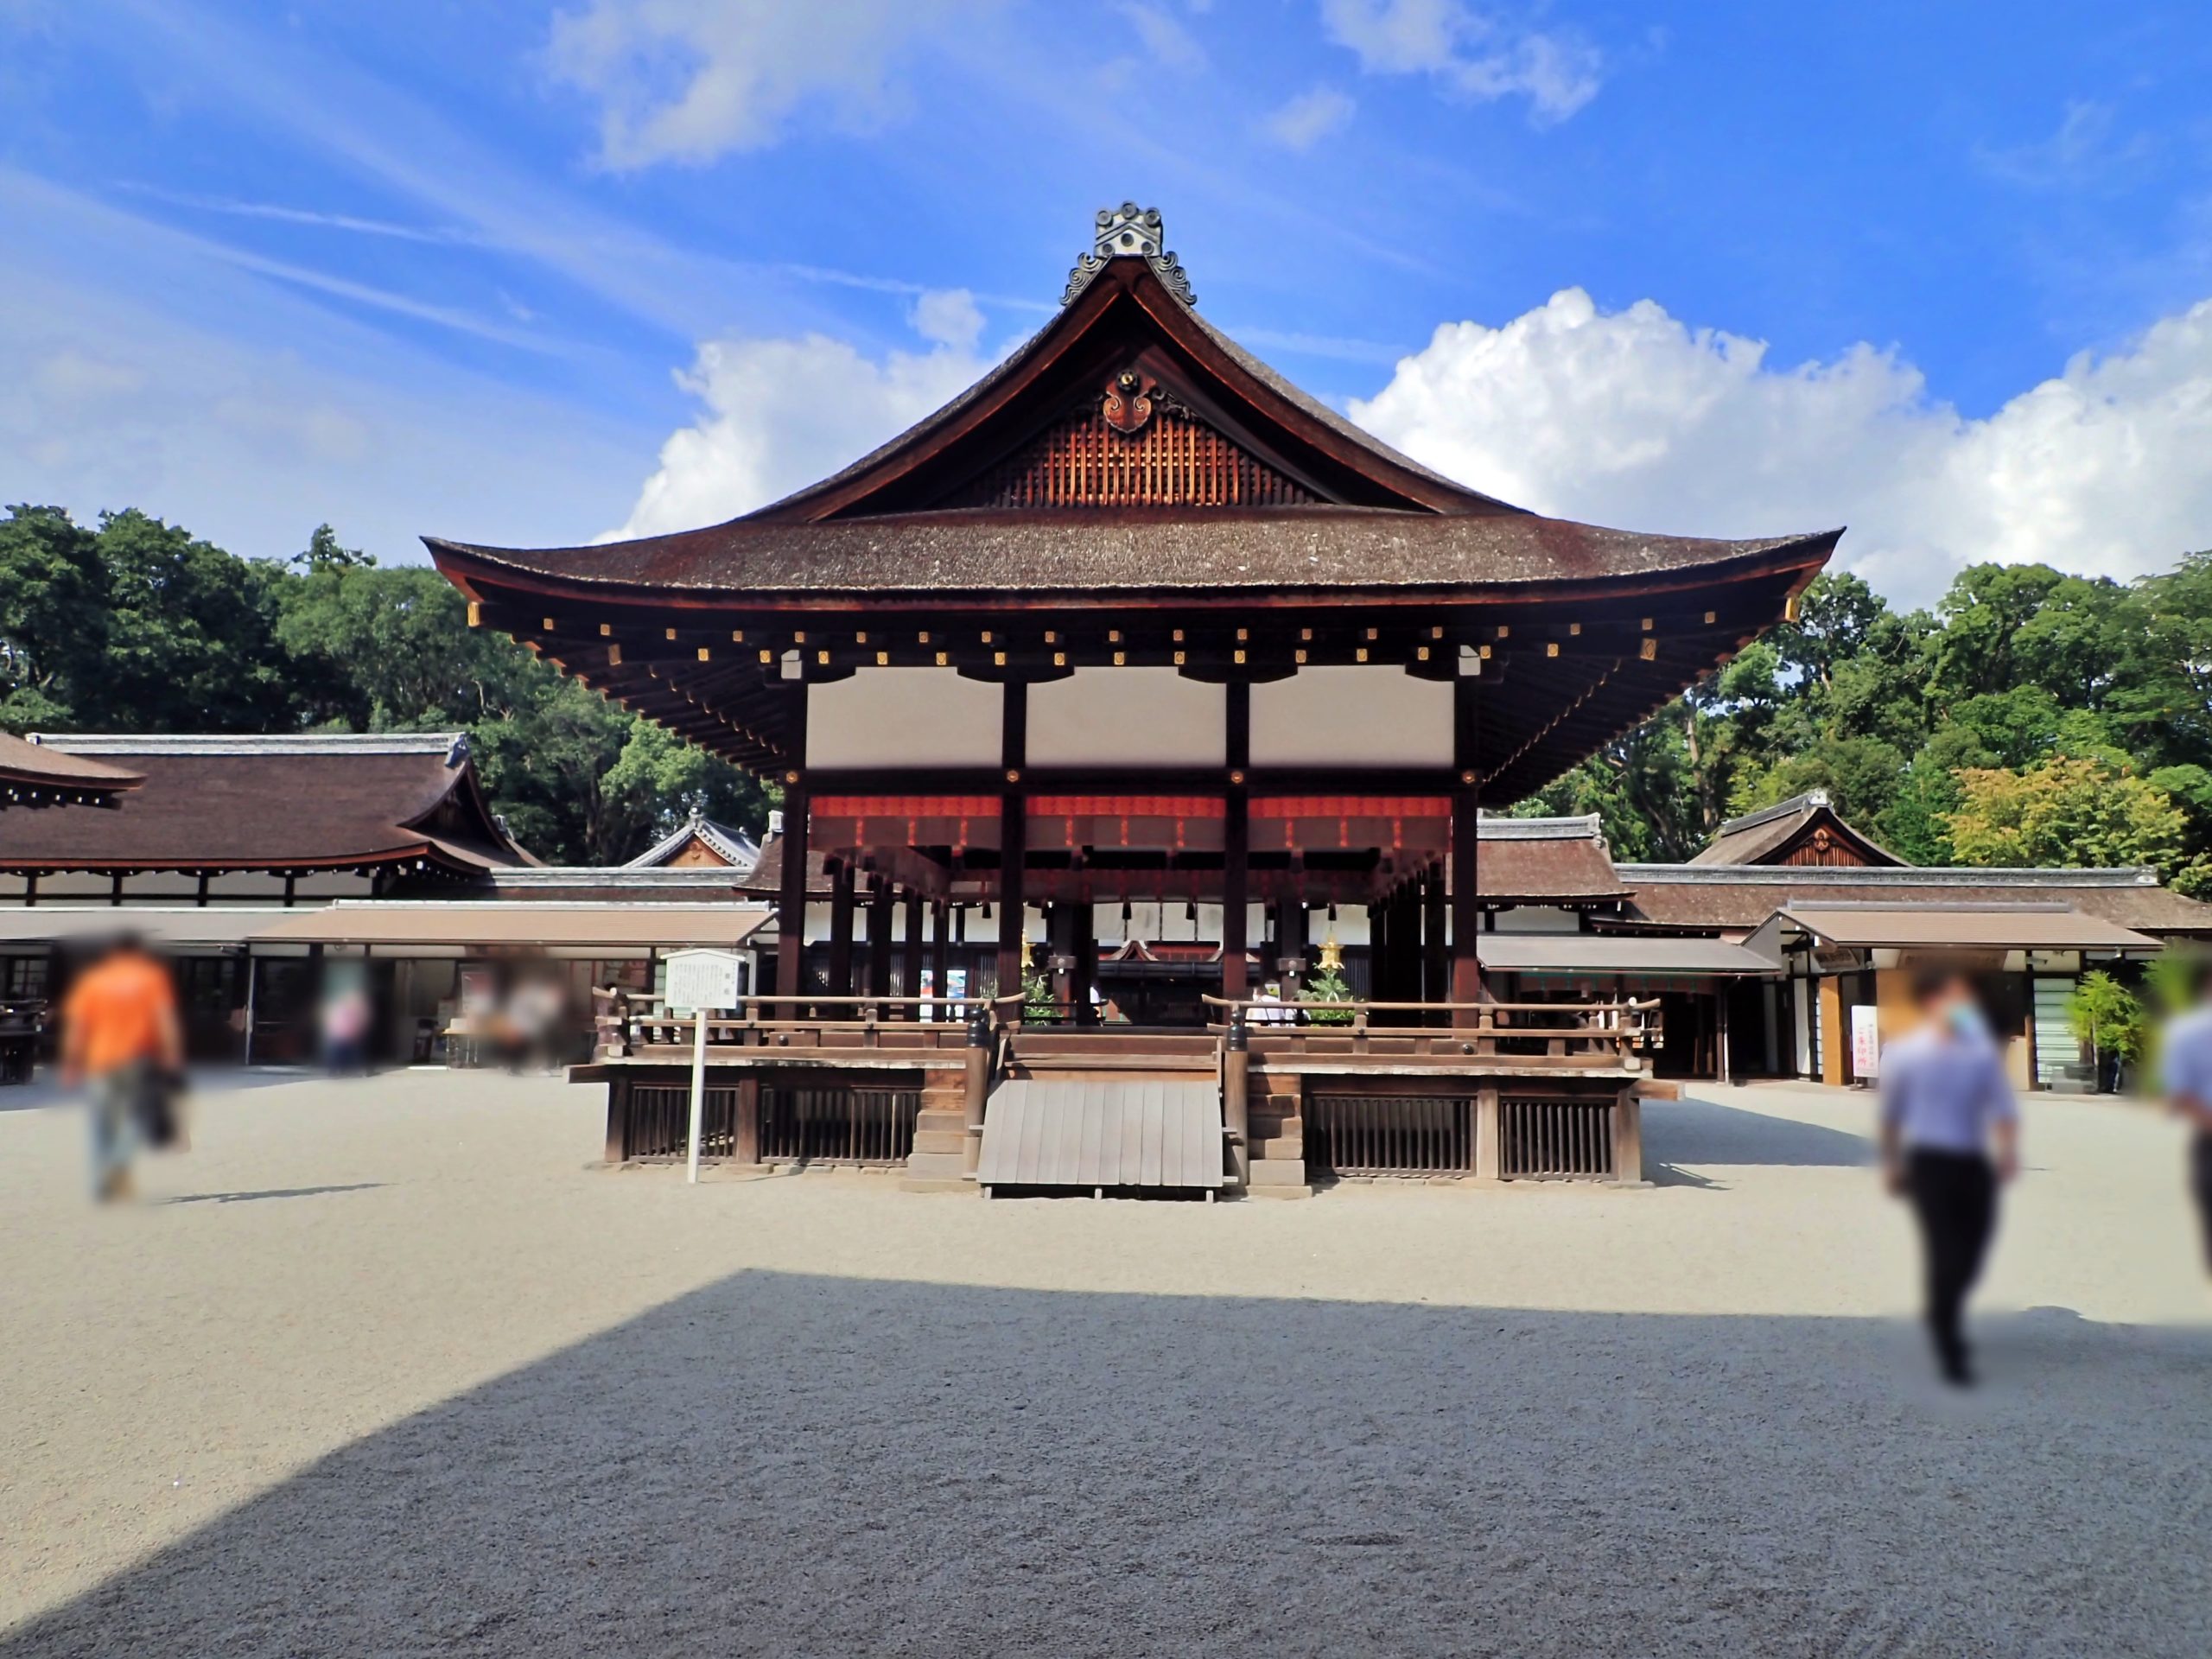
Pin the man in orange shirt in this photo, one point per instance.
(120, 1032)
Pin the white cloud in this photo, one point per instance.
(1164, 37)
(949, 316)
(1632, 418)
(689, 80)
(1475, 52)
(783, 413)
(1304, 121)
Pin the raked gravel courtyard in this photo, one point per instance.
(386, 1367)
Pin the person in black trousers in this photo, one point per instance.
(2185, 1067)
(1950, 1134)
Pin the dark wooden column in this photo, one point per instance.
(1466, 846)
(791, 893)
(841, 931)
(1237, 838)
(1290, 940)
(1086, 928)
(910, 953)
(1060, 948)
(1013, 844)
(940, 949)
(1435, 942)
(878, 937)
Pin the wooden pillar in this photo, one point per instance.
(1378, 951)
(1013, 937)
(1086, 959)
(910, 955)
(1236, 1099)
(791, 893)
(1290, 942)
(747, 1149)
(841, 931)
(1013, 844)
(1237, 838)
(1489, 1125)
(617, 1118)
(1466, 853)
(940, 950)
(977, 1088)
(1436, 938)
(879, 938)
(1060, 953)
(1721, 1030)
(1628, 1138)
(1835, 1034)
(1236, 977)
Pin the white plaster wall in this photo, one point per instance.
(1351, 714)
(904, 717)
(1128, 717)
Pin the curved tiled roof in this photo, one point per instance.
(270, 802)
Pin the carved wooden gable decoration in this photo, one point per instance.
(1133, 444)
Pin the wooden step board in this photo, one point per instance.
(1158, 1132)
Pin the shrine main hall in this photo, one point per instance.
(1134, 624)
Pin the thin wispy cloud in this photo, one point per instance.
(1165, 37)
(316, 219)
(14, 182)
(2087, 151)
(1470, 52)
(1302, 122)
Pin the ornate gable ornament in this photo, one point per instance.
(1129, 232)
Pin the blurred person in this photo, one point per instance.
(346, 1016)
(1947, 1106)
(121, 1035)
(2185, 1068)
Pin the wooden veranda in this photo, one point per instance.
(1515, 1091)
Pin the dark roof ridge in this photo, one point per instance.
(1875, 875)
(1805, 801)
(452, 744)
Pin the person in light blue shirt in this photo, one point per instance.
(1950, 1134)
(2185, 1066)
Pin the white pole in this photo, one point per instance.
(698, 1088)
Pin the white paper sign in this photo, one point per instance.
(703, 979)
(1865, 1041)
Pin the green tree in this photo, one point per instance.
(191, 640)
(2073, 810)
(54, 605)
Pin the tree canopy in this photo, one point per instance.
(2031, 718)
(136, 625)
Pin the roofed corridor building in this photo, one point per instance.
(1134, 620)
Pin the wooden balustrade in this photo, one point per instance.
(1519, 1037)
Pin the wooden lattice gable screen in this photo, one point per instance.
(1135, 444)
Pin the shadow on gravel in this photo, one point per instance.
(273, 1192)
(1690, 1131)
(794, 1465)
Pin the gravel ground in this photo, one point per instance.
(384, 1367)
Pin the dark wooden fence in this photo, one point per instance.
(838, 1125)
(1380, 1134)
(1555, 1138)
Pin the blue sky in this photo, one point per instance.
(535, 273)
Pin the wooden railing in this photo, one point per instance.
(629, 1027)
(1567, 1034)
(1517, 1036)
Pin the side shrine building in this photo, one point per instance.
(1134, 620)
